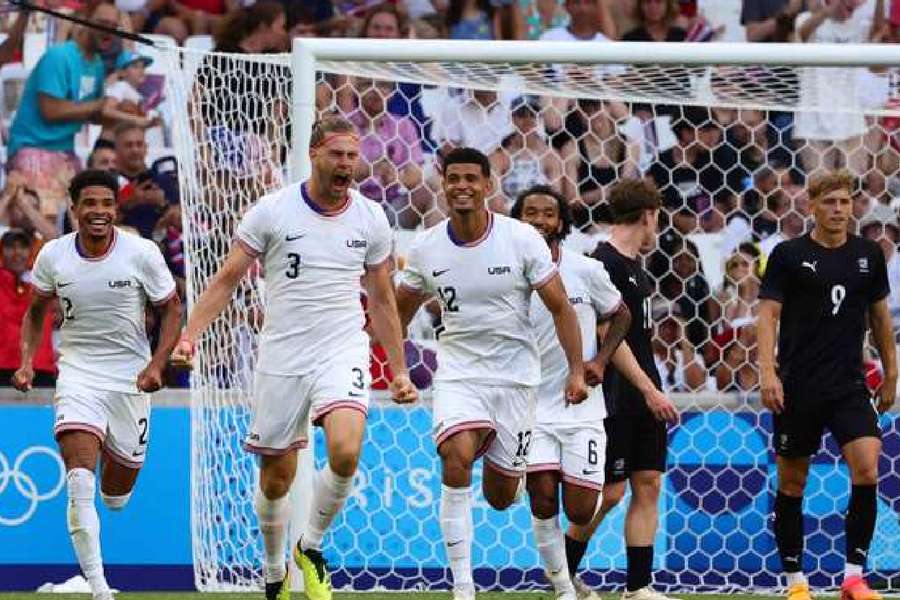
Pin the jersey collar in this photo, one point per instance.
(304, 193)
(109, 249)
(458, 242)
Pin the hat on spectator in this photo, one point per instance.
(882, 215)
(11, 236)
(127, 58)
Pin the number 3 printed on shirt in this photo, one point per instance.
(838, 293)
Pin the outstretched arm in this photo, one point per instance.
(32, 330)
(386, 326)
(883, 334)
(553, 295)
(212, 301)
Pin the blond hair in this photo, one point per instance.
(328, 125)
(829, 181)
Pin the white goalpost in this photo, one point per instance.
(242, 127)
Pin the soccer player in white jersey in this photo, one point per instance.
(484, 267)
(315, 240)
(568, 446)
(103, 279)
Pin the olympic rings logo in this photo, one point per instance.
(25, 485)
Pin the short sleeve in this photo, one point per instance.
(42, 277)
(156, 278)
(777, 275)
(379, 247)
(879, 288)
(51, 75)
(413, 276)
(253, 233)
(536, 257)
(605, 297)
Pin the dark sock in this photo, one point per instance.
(860, 522)
(640, 562)
(575, 550)
(789, 531)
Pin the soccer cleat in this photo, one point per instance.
(856, 588)
(566, 595)
(316, 580)
(583, 591)
(645, 593)
(799, 591)
(280, 590)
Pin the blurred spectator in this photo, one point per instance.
(142, 201)
(770, 20)
(588, 20)
(181, 18)
(595, 159)
(789, 220)
(738, 297)
(472, 20)
(881, 226)
(390, 171)
(685, 286)
(475, 119)
(309, 19)
(524, 158)
(834, 138)
(15, 36)
(15, 297)
(102, 157)
(541, 16)
(656, 20)
(128, 102)
(681, 368)
(20, 209)
(62, 93)
(737, 371)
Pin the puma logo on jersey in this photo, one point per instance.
(119, 283)
(498, 270)
(810, 265)
(632, 280)
(356, 243)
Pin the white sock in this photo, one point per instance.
(851, 570)
(84, 527)
(330, 491)
(795, 578)
(273, 516)
(456, 527)
(552, 547)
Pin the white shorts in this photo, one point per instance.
(120, 419)
(577, 450)
(508, 411)
(283, 404)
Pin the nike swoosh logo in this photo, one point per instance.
(137, 453)
(588, 472)
(291, 238)
(64, 284)
(355, 395)
(456, 543)
(439, 273)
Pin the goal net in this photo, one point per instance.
(728, 134)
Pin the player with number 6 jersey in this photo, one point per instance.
(568, 445)
(824, 289)
(483, 267)
(103, 278)
(315, 239)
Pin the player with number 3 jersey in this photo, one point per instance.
(315, 240)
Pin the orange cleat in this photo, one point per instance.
(856, 588)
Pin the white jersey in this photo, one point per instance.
(313, 262)
(103, 300)
(485, 288)
(593, 297)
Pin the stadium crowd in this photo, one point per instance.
(733, 181)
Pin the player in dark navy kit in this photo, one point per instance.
(822, 288)
(637, 409)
